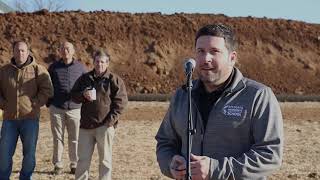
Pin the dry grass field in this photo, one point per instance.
(134, 150)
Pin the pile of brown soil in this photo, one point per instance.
(148, 50)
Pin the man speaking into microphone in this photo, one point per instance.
(238, 122)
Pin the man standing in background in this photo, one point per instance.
(64, 113)
(103, 96)
(25, 86)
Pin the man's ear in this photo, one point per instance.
(233, 58)
(108, 63)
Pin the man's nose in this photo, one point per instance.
(208, 57)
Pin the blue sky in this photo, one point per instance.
(302, 10)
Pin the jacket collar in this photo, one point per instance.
(105, 75)
(62, 62)
(29, 61)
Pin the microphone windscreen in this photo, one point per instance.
(189, 65)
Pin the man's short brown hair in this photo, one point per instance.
(219, 30)
(19, 41)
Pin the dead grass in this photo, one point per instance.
(134, 150)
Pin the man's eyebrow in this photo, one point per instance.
(215, 48)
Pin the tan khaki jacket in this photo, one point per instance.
(24, 90)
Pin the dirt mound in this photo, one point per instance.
(148, 49)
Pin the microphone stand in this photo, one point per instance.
(191, 130)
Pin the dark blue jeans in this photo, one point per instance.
(28, 131)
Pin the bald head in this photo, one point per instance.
(67, 52)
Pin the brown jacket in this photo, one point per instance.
(24, 90)
(111, 99)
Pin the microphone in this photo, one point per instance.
(189, 66)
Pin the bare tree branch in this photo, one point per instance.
(36, 5)
(57, 5)
(21, 5)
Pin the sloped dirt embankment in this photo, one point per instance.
(148, 49)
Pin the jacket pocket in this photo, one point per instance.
(25, 105)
